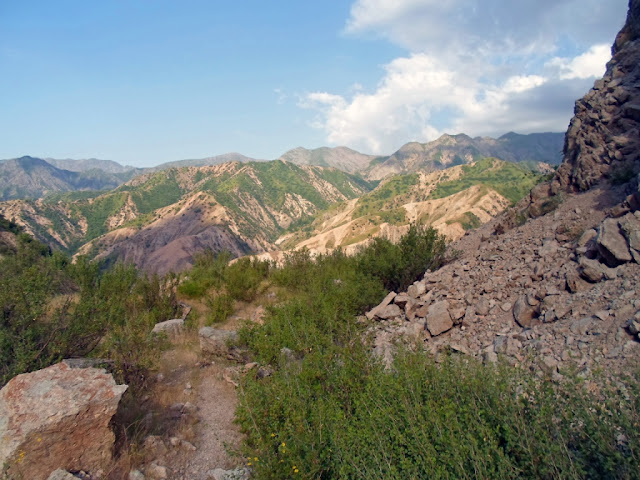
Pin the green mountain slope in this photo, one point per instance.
(242, 207)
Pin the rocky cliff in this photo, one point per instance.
(603, 140)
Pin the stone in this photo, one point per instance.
(523, 313)
(630, 226)
(61, 474)
(586, 237)
(611, 243)
(172, 328)
(402, 300)
(371, 314)
(388, 312)
(156, 472)
(571, 281)
(237, 474)
(214, 341)
(153, 444)
(489, 357)
(438, 319)
(417, 290)
(591, 270)
(136, 475)
(482, 306)
(59, 417)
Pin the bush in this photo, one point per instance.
(221, 306)
(243, 278)
(53, 309)
(399, 265)
(208, 271)
(330, 411)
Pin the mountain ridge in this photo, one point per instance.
(448, 150)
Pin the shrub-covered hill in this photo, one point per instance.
(453, 200)
(240, 207)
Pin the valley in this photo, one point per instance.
(463, 308)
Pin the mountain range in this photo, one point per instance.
(29, 177)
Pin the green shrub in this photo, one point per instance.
(221, 306)
(399, 265)
(208, 271)
(53, 309)
(243, 278)
(330, 411)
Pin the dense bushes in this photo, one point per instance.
(52, 309)
(399, 265)
(330, 411)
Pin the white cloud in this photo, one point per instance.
(478, 67)
(590, 64)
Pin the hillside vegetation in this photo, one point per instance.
(452, 201)
(54, 309)
(327, 409)
(253, 203)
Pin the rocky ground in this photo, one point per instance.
(559, 291)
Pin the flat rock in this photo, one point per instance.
(388, 312)
(387, 300)
(630, 226)
(416, 290)
(591, 270)
(438, 318)
(611, 243)
(172, 328)
(214, 341)
(61, 474)
(59, 417)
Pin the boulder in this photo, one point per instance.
(438, 318)
(61, 474)
(215, 341)
(611, 243)
(172, 328)
(523, 313)
(630, 226)
(591, 270)
(388, 312)
(57, 418)
(416, 290)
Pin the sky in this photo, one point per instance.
(144, 82)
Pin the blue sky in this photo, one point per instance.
(144, 82)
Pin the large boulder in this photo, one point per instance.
(611, 243)
(438, 318)
(172, 328)
(214, 341)
(57, 417)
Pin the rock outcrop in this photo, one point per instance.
(603, 140)
(57, 418)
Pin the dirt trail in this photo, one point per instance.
(215, 431)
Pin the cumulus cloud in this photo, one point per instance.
(479, 67)
(589, 64)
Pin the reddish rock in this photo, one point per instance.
(57, 417)
(438, 318)
(611, 243)
(523, 313)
